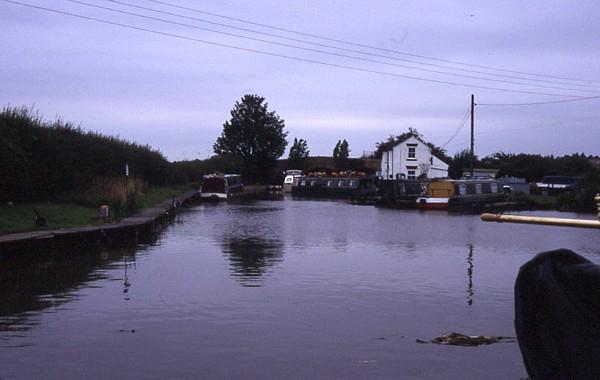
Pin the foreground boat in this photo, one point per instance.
(221, 186)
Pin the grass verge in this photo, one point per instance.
(21, 217)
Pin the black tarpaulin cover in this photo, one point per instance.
(557, 316)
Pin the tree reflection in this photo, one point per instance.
(252, 257)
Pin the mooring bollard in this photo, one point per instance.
(103, 212)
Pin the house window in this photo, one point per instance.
(412, 152)
(411, 172)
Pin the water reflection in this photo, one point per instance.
(30, 286)
(470, 289)
(252, 240)
(126, 282)
(252, 257)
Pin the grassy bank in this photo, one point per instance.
(20, 217)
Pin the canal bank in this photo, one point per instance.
(137, 229)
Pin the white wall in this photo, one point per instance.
(396, 161)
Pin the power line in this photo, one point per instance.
(539, 103)
(267, 53)
(304, 41)
(316, 50)
(460, 126)
(571, 122)
(364, 45)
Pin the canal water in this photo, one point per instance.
(273, 289)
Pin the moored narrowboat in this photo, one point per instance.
(221, 186)
(336, 187)
(401, 192)
(467, 194)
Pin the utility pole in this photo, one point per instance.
(472, 133)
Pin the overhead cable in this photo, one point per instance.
(321, 51)
(284, 56)
(304, 41)
(363, 45)
(460, 126)
(540, 103)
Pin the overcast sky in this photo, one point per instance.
(175, 93)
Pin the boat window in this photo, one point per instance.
(313, 182)
(494, 187)
(303, 182)
(351, 183)
(487, 188)
(478, 188)
(330, 183)
(471, 189)
(462, 189)
(340, 183)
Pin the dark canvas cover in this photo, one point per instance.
(557, 316)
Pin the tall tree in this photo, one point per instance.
(460, 161)
(299, 154)
(341, 153)
(255, 135)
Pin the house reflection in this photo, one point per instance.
(252, 257)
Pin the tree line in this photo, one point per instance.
(39, 159)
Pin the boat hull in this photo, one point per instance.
(425, 203)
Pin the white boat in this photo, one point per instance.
(291, 179)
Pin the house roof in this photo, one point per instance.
(410, 135)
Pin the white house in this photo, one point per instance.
(411, 158)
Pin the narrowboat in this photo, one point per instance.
(221, 186)
(401, 192)
(336, 187)
(466, 194)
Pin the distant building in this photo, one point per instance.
(515, 184)
(412, 158)
(480, 173)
